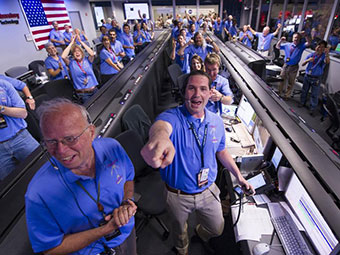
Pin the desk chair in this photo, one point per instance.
(332, 109)
(299, 83)
(16, 71)
(148, 183)
(174, 72)
(38, 67)
(136, 119)
(59, 88)
(274, 68)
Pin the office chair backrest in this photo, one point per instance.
(16, 71)
(174, 72)
(132, 144)
(38, 67)
(96, 41)
(136, 119)
(33, 125)
(59, 88)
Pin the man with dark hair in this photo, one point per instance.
(81, 201)
(127, 42)
(184, 143)
(117, 46)
(316, 63)
(293, 54)
(56, 36)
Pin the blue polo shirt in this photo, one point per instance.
(79, 76)
(293, 52)
(221, 84)
(190, 34)
(218, 28)
(148, 36)
(246, 40)
(199, 50)
(228, 24)
(182, 172)
(127, 40)
(233, 30)
(140, 38)
(316, 67)
(67, 36)
(333, 40)
(119, 33)
(105, 68)
(51, 63)
(264, 41)
(10, 97)
(118, 48)
(175, 33)
(51, 208)
(56, 35)
(17, 84)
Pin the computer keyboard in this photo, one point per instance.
(243, 135)
(290, 236)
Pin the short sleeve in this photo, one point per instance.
(48, 64)
(17, 84)
(104, 55)
(14, 96)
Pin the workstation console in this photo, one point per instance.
(287, 144)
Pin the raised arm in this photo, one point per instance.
(277, 29)
(67, 50)
(159, 151)
(251, 30)
(278, 44)
(210, 41)
(88, 49)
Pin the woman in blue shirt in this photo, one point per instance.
(109, 64)
(84, 80)
(55, 65)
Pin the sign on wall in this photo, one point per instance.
(9, 18)
(39, 15)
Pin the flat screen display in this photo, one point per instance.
(277, 156)
(131, 10)
(246, 114)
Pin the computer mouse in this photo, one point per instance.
(261, 249)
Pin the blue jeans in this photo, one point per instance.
(15, 149)
(314, 84)
(86, 96)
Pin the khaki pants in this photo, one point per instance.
(208, 211)
(288, 73)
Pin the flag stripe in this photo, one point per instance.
(40, 14)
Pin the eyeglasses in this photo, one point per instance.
(68, 140)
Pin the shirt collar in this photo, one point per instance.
(190, 118)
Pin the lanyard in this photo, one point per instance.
(81, 68)
(99, 205)
(200, 145)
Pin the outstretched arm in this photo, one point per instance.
(159, 151)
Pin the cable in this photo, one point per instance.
(239, 211)
(106, 248)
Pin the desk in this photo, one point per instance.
(247, 246)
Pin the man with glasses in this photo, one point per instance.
(81, 201)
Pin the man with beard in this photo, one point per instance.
(184, 142)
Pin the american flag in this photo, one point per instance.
(40, 14)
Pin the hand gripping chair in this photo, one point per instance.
(148, 184)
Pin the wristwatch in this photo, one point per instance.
(29, 97)
(2, 108)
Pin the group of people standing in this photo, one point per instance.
(119, 46)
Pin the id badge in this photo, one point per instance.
(287, 60)
(202, 177)
(85, 81)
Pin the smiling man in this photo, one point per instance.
(80, 201)
(184, 143)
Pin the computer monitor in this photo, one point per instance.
(276, 158)
(337, 49)
(131, 10)
(320, 234)
(246, 114)
(261, 138)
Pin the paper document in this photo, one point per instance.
(254, 221)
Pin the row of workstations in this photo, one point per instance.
(312, 160)
(138, 83)
(141, 83)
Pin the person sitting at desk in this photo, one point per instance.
(55, 65)
(316, 63)
(184, 142)
(84, 80)
(181, 60)
(117, 47)
(56, 36)
(265, 39)
(138, 38)
(67, 34)
(127, 41)
(109, 64)
(221, 92)
(81, 200)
